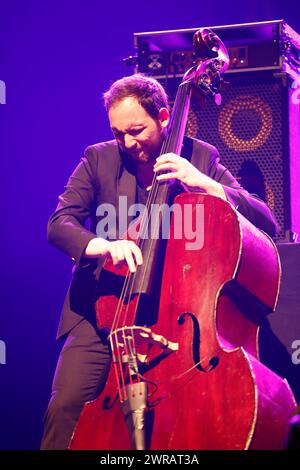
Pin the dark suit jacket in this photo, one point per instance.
(104, 174)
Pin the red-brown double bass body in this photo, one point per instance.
(213, 392)
(185, 362)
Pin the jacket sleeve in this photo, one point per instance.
(250, 205)
(66, 226)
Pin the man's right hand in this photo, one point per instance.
(120, 251)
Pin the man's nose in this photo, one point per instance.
(129, 141)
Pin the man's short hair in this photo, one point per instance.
(148, 92)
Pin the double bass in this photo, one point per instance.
(183, 329)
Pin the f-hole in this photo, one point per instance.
(214, 361)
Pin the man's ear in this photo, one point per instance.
(164, 117)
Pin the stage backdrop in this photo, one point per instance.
(56, 58)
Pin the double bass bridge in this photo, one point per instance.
(131, 345)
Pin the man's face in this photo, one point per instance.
(136, 132)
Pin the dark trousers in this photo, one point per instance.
(80, 376)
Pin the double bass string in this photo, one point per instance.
(118, 364)
(179, 108)
(127, 289)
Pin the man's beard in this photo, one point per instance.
(143, 156)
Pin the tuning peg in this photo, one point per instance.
(218, 99)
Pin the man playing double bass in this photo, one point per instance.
(139, 116)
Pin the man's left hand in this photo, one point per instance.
(190, 178)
